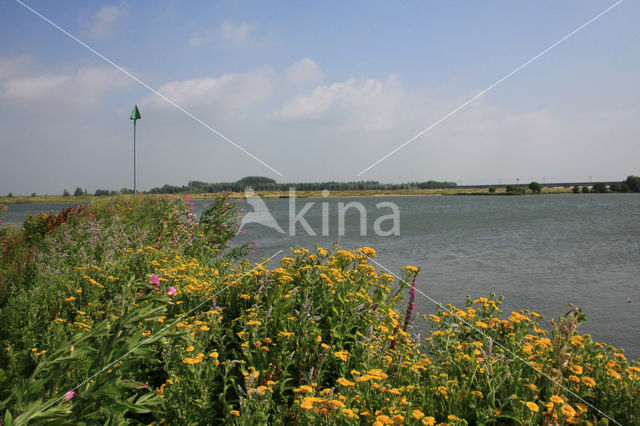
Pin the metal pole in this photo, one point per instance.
(135, 190)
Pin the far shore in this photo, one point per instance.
(279, 194)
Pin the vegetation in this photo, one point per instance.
(266, 184)
(515, 190)
(135, 312)
(535, 187)
(599, 187)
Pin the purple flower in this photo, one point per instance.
(410, 306)
(69, 395)
(171, 291)
(155, 280)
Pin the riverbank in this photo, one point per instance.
(170, 325)
(277, 194)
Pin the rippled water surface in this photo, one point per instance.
(541, 252)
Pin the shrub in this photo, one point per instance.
(535, 187)
(514, 189)
(599, 187)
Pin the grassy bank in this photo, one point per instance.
(276, 194)
(134, 312)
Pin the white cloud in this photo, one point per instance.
(104, 20)
(15, 66)
(228, 94)
(235, 33)
(227, 32)
(23, 82)
(304, 71)
(364, 103)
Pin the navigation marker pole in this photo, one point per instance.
(135, 115)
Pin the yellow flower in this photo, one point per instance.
(589, 381)
(429, 421)
(348, 413)
(384, 420)
(568, 410)
(304, 389)
(190, 349)
(367, 251)
(533, 406)
(307, 402)
(417, 414)
(343, 355)
(556, 399)
(253, 322)
(576, 369)
(234, 413)
(411, 269)
(344, 382)
(477, 393)
(70, 299)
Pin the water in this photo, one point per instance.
(541, 252)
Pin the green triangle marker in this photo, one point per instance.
(135, 114)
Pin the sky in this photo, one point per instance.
(316, 91)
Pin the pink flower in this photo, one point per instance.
(69, 395)
(155, 280)
(171, 291)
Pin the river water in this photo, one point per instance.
(541, 252)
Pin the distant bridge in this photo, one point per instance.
(544, 185)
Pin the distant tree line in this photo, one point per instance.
(259, 183)
(631, 184)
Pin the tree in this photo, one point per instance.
(615, 187)
(633, 182)
(65, 193)
(492, 189)
(585, 189)
(535, 187)
(10, 195)
(576, 189)
(33, 194)
(78, 192)
(599, 187)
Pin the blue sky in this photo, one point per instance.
(319, 91)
